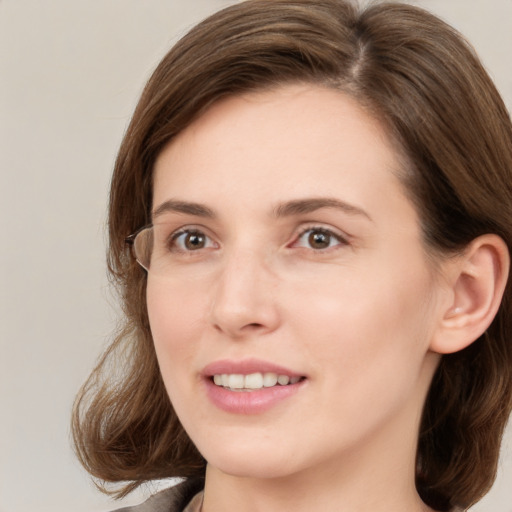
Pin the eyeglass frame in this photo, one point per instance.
(130, 240)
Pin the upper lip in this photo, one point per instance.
(246, 367)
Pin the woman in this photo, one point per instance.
(318, 310)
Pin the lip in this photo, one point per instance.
(249, 402)
(246, 367)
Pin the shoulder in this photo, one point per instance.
(174, 499)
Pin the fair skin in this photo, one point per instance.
(304, 252)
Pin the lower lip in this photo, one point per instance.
(250, 402)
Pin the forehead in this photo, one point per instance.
(324, 109)
(279, 145)
(291, 120)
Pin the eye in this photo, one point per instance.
(319, 239)
(190, 240)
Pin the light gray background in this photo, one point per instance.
(70, 74)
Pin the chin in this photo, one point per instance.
(244, 461)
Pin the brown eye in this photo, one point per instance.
(194, 241)
(190, 240)
(319, 240)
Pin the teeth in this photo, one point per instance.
(283, 380)
(237, 381)
(269, 380)
(253, 381)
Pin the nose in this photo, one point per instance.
(244, 297)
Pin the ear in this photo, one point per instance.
(477, 281)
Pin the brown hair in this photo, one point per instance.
(424, 82)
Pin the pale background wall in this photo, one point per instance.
(70, 74)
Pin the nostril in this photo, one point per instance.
(254, 326)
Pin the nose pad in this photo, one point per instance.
(244, 301)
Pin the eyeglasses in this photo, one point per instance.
(157, 246)
(142, 243)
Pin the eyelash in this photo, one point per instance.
(323, 231)
(174, 239)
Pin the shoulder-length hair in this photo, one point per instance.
(423, 81)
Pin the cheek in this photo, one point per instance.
(177, 321)
(367, 323)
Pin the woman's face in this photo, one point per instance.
(286, 248)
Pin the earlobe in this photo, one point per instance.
(478, 279)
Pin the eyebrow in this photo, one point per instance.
(285, 209)
(196, 209)
(309, 205)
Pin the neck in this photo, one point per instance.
(302, 493)
(361, 482)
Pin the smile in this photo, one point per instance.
(251, 386)
(253, 381)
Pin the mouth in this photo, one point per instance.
(253, 381)
(250, 386)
